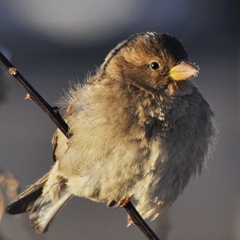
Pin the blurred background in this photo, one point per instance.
(56, 42)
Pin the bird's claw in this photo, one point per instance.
(124, 201)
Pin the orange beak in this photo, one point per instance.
(183, 71)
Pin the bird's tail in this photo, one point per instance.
(25, 200)
(43, 208)
(44, 211)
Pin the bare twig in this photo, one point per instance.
(139, 221)
(35, 96)
(61, 124)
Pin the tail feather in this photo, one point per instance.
(25, 200)
(44, 211)
(42, 204)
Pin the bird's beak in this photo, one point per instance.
(183, 71)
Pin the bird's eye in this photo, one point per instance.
(154, 65)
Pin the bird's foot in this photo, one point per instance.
(124, 201)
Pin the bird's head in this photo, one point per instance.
(150, 61)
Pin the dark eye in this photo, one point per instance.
(154, 65)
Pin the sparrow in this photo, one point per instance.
(139, 130)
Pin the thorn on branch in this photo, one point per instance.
(28, 97)
(12, 71)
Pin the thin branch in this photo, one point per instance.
(139, 221)
(62, 125)
(35, 96)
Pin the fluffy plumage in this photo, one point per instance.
(139, 130)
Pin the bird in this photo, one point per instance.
(140, 130)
